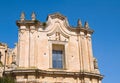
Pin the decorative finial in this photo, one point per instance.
(33, 16)
(22, 16)
(86, 25)
(79, 24)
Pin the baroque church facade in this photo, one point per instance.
(51, 52)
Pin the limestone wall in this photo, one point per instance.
(35, 45)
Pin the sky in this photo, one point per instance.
(103, 17)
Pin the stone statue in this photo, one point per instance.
(95, 63)
(57, 36)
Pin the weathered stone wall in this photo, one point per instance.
(36, 41)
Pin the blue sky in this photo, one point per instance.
(102, 15)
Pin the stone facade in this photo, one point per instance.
(33, 58)
(6, 58)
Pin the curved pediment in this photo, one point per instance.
(57, 33)
(59, 22)
(52, 19)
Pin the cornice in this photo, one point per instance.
(58, 73)
(78, 29)
(37, 23)
(28, 23)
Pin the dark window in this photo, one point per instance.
(57, 59)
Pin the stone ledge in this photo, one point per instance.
(58, 73)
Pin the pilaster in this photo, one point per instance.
(21, 45)
(90, 53)
(80, 52)
(84, 52)
(32, 46)
(36, 50)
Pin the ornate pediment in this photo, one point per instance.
(57, 15)
(57, 34)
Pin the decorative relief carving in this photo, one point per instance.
(95, 63)
(57, 36)
(82, 36)
(32, 31)
(57, 15)
(88, 36)
(22, 31)
(89, 39)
